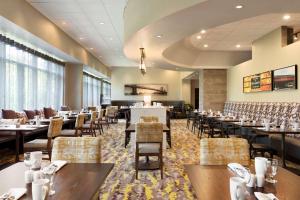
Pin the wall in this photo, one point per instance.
(194, 85)
(214, 88)
(130, 75)
(268, 54)
(24, 15)
(73, 86)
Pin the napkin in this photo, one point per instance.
(239, 170)
(59, 164)
(14, 194)
(263, 196)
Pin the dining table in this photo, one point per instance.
(212, 182)
(283, 133)
(19, 134)
(74, 181)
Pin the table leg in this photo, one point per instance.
(17, 146)
(127, 138)
(169, 138)
(283, 150)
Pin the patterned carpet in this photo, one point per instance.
(121, 183)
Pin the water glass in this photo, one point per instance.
(274, 166)
(27, 160)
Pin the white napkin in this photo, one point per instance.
(240, 170)
(14, 192)
(263, 196)
(59, 164)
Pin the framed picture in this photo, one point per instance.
(285, 78)
(258, 82)
(146, 89)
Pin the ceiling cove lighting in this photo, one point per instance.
(286, 17)
(239, 6)
(142, 61)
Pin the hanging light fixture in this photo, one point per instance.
(142, 61)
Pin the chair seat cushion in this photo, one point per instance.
(37, 144)
(149, 148)
(68, 132)
(258, 146)
(86, 126)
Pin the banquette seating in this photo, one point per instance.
(276, 112)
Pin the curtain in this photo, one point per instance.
(29, 81)
(91, 91)
(106, 93)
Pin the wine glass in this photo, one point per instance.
(27, 160)
(273, 170)
(31, 122)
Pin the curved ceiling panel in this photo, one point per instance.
(176, 47)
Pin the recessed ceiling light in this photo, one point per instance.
(64, 23)
(238, 46)
(102, 23)
(203, 31)
(199, 37)
(239, 6)
(295, 37)
(158, 36)
(91, 48)
(81, 38)
(205, 46)
(111, 38)
(286, 17)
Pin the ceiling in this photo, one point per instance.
(96, 24)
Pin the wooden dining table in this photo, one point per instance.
(19, 134)
(212, 182)
(74, 181)
(283, 133)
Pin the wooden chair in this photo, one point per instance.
(77, 149)
(91, 127)
(45, 145)
(111, 113)
(78, 127)
(149, 138)
(92, 108)
(221, 151)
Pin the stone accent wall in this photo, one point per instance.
(214, 88)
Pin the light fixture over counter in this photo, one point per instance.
(142, 61)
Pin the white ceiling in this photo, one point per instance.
(244, 32)
(82, 20)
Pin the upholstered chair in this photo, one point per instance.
(54, 130)
(92, 108)
(149, 138)
(77, 149)
(91, 127)
(9, 114)
(221, 151)
(149, 119)
(78, 127)
(111, 113)
(49, 112)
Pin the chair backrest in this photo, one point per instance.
(79, 121)
(49, 112)
(65, 108)
(111, 110)
(55, 127)
(77, 149)
(149, 119)
(221, 151)
(149, 132)
(94, 116)
(92, 108)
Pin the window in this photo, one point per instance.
(91, 90)
(106, 93)
(29, 81)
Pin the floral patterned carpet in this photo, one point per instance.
(121, 183)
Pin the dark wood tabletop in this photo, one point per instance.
(212, 182)
(73, 181)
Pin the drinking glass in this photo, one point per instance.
(49, 173)
(27, 160)
(273, 171)
(31, 122)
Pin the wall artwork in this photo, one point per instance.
(285, 78)
(258, 82)
(146, 89)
